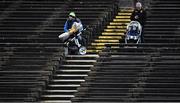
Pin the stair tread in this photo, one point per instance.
(88, 55)
(86, 61)
(70, 75)
(70, 80)
(54, 95)
(65, 85)
(77, 65)
(77, 70)
(56, 101)
(61, 91)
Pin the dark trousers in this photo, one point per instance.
(142, 35)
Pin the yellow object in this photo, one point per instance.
(124, 14)
(123, 17)
(124, 20)
(113, 33)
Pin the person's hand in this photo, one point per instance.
(136, 17)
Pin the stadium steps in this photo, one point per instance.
(68, 78)
(113, 33)
(163, 22)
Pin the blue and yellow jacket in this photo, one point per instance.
(68, 24)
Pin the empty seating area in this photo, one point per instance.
(162, 25)
(148, 73)
(25, 70)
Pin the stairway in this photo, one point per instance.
(68, 77)
(162, 24)
(148, 73)
(113, 33)
(131, 75)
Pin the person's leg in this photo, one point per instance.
(142, 35)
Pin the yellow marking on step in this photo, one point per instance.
(126, 10)
(123, 17)
(105, 33)
(96, 47)
(90, 51)
(114, 30)
(115, 23)
(110, 37)
(101, 47)
(107, 41)
(115, 27)
(102, 44)
(123, 20)
(124, 14)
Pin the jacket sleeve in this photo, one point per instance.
(132, 16)
(65, 27)
(144, 16)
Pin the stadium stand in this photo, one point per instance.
(94, 14)
(30, 49)
(33, 67)
(139, 73)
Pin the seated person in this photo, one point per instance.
(70, 21)
(72, 27)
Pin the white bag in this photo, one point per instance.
(78, 26)
(64, 36)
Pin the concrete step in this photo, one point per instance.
(116, 27)
(112, 34)
(115, 30)
(93, 51)
(106, 41)
(77, 66)
(56, 101)
(119, 23)
(110, 37)
(82, 56)
(102, 44)
(73, 70)
(70, 80)
(123, 20)
(122, 17)
(57, 96)
(124, 14)
(65, 85)
(71, 75)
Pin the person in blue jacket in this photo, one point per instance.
(70, 21)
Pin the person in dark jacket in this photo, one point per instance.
(139, 14)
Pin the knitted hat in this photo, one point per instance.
(72, 14)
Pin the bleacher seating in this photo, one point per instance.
(28, 62)
(94, 14)
(163, 22)
(33, 67)
(148, 73)
(30, 51)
